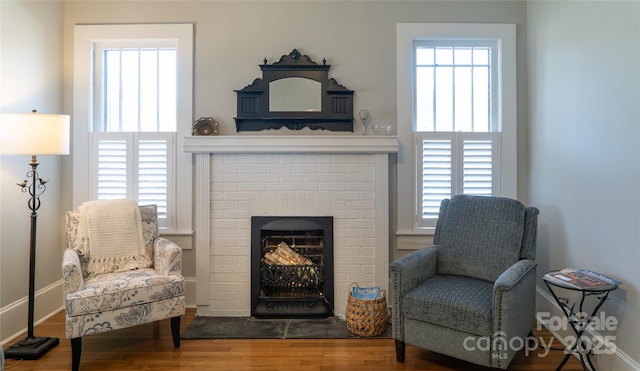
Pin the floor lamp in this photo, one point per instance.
(33, 134)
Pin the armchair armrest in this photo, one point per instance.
(514, 306)
(72, 279)
(513, 275)
(405, 274)
(167, 257)
(414, 268)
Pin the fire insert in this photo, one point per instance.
(292, 267)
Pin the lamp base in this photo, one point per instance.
(31, 347)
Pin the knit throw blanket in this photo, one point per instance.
(114, 232)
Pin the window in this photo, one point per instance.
(456, 116)
(134, 123)
(457, 133)
(133, 99)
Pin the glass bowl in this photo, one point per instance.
(381, 129)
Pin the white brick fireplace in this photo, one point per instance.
(236, 177)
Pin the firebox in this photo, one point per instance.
(292, 267)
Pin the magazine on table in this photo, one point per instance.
(582, 279)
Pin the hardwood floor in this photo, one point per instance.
(149, 347)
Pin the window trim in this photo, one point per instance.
(406, 35)
(85, 37)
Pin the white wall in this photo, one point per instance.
(584, 84)
(30, 78)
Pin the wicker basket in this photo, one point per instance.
(366, 317)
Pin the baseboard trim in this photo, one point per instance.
(13, 317)
(613, 360)
(190, 291)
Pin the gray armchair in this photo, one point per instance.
(472, 292)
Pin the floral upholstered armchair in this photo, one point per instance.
(107, 288)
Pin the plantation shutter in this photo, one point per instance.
(134, 165)
(454, 163)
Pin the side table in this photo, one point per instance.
(587, 285)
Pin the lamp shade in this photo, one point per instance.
(34, 134)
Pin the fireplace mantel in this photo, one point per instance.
(291, 144)
(365, 158)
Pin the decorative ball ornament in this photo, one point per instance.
(205, 126)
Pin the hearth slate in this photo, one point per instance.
(252, 328)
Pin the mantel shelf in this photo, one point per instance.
(291, 144)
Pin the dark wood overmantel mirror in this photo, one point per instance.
(295, 92)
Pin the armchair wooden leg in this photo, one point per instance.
(400, 347)
(76, 350)
(175, 331)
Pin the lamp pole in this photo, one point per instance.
(32, 347)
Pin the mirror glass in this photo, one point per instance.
(295, 94)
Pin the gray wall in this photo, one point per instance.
(584, 88)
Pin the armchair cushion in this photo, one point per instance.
(123, 289)
(480, 236)
(98, 322)
(463, 303)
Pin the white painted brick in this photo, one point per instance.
(251, 187)
(349, 196)
(265, 178)
(333, 168)
(359, 261)
(236, 178)
(360, 168)
(346, 214)
(367, 195)
(344, 177)
(226, 168)
(362, 279)
(252, 169)
(360, 224)
(217, 213)
(367, 177)
(360, 186)
(225, 224)
(332, 186)
(237, 159)
(279, 169)
(291, 186)
(314, 177)
(225, 187)
(237, 214)
(362, 205)
(319, 159)
(311, 184)
(304, 168)
(238, 196)
(367, 159)
(368, 233)
(367, 269)
(224, 205)
(267, 158)
(346, 159)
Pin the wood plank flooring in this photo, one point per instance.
(149, 347)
